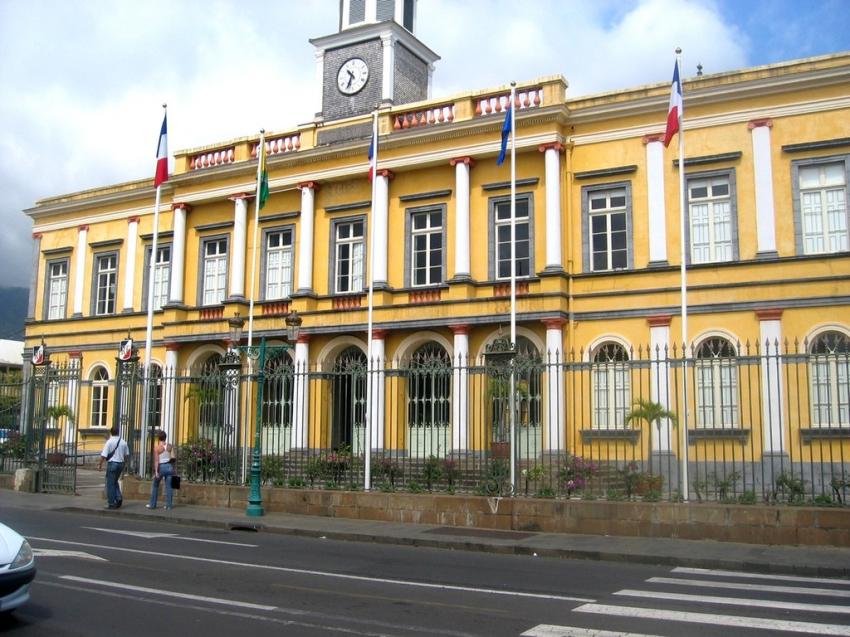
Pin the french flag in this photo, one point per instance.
(373, 145)
(162, 155)
(674, 113)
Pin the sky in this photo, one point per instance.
(83, 81)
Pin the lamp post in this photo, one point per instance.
(233, 361)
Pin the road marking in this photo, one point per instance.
(764, 588)
(172, 594)
(301, 571)
(718, 620)
(58, 553)
(174, 536)
(738, 601)
(551, 630)
(788, 578)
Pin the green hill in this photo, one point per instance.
(13, 311)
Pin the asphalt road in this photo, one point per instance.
(102, 575)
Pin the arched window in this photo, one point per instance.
(154, 396)
(829, 367)
(529, 366)
(277, 392)
(99, 397)
(717, 384)
(429, 387)
(611, 386)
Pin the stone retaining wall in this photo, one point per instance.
(755, 524)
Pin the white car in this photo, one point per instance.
(17, 569)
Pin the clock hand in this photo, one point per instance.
(350, 78)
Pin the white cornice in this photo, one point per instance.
(358, 34)
(735, 117)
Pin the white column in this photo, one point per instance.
(655, 199)
(80, 267)
(552, 159)
(389, 68)
(319, 81)
(301, 389)
(178, 253)
(379, 230)
(376, 370)
(772, 394)
(238, 249)
(305, 240)
(763, 173)
(659, 381)
(371, 14)
(169, 390)
(460, 388)
(462, 167)
(130, 262)
(75, 359)
(556, 407)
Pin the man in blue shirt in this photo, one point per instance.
(115, 453)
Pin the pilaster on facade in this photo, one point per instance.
(556, 419)
(80, 268)
(239, 247)
(388, 79)
(376, 391)
(178, 253)
(305, 242)
(659, 377)
(379, 223)
(770, 339)
(75, 362)
(655, 199)
(763, 176)
(169, 389)
(301, 393)
(35, 262)
(130, 262)
(552, 160)
(460, 387)
(462, 166)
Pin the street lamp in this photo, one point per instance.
(232, 360)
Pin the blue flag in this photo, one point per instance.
(506, 131)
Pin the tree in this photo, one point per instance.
(651, 412)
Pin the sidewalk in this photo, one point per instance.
(795, 560)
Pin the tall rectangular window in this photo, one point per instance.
(106, 278)
(426, 247)
(57, 289)
(278, 264)
(608, 238)
(502, 237)
(161, 276)
(349, 251)
(823, 207)
(214, 271)
(711, 220)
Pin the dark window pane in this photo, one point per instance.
(600, 261)
(618, 222)
(600, 243)
(598, 223)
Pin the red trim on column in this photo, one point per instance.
(181, 206)
(386, 173)
(648, 139)
(241, 195)
(36, 236)
(75, 354)
(308, 184)
(83, 228)
(757, 123)
(662, 320)
(379, 335)
(303, 338)
(771, 314)
(555, 145)
(469, 161)
(171, 346)
(134, 219)
(555, 323)
(459, 328)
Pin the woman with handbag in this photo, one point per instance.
(163, 467)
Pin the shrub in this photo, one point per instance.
(432, 471)
(271, 470)
(386, 471)
(576, 474)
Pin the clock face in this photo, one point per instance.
(352, 76)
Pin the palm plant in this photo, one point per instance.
(651, 412)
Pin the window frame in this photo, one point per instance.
(796, 199)
(835, 385)
(730, 175)
(332, 262)
(146, 275)
(99, 403)
(715, 366)
(202, 268)
(95, 289)
(48, 279)
(410, 233)
(586, 246)
(492, 248)
(613, 370)
(290, 228)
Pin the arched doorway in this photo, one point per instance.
(429, 384)
(348, 411)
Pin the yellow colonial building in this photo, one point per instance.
(598, 250)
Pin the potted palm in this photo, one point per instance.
(654, 414)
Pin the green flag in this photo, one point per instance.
(263, 176)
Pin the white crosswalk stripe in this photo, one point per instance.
(764, 602)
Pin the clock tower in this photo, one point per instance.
(374, 59)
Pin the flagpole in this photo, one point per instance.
(367, 484)
(143, 446)
(261, 148)
(512, 400)
(683, 459)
